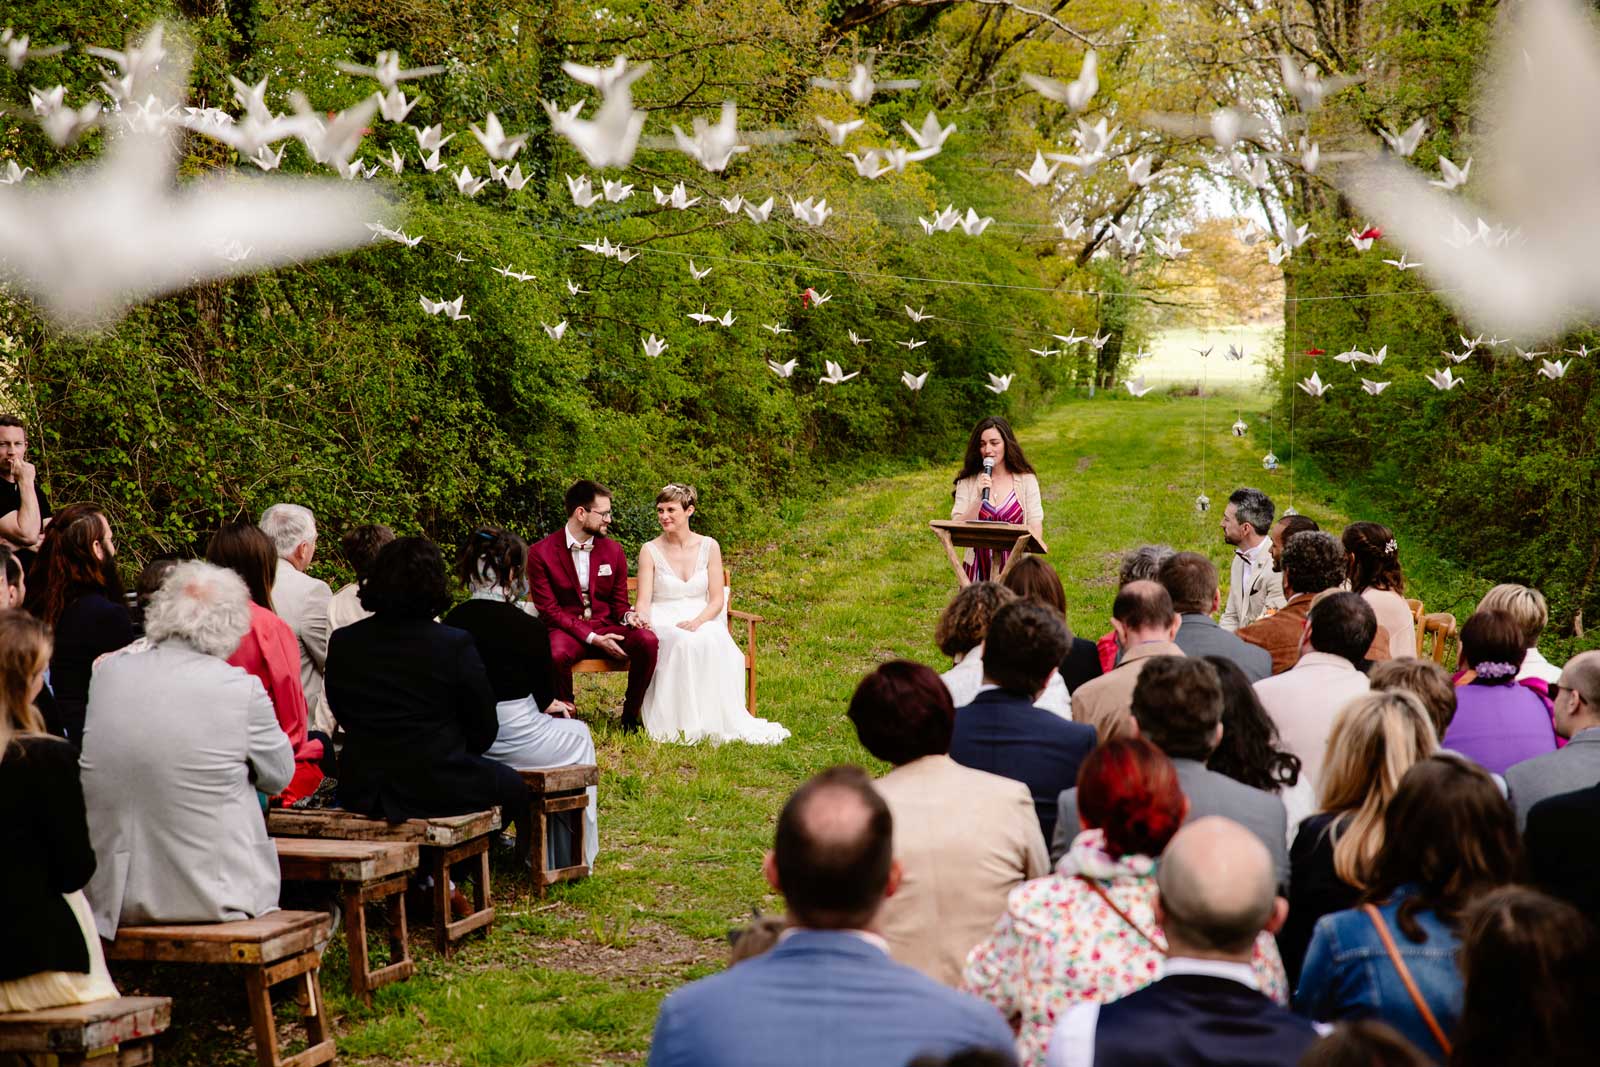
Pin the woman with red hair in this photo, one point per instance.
(1088, 932)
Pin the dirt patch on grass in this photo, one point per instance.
(1085, 462)
(645, 952)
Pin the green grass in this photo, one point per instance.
(575, 979)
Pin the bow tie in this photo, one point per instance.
(1244, 555)
(589, 547)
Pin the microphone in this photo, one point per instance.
(988, 468)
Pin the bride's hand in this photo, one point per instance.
(690, 624)
(640, 618)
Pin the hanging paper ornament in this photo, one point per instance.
(1239, 428)
(1269, 462)
(1202, 503)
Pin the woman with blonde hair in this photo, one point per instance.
(49, 952)
(1528, 608)
(1375, 740)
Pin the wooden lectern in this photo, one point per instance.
(1002, 536)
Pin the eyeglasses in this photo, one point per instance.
(606, 514)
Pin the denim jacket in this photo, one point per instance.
(1348, 975)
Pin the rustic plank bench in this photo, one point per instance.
(444, 842)
(115, 1032)
(366, 872)
(272, 949)
(607, 665)
(552, 790)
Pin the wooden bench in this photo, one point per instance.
(272, 949)
(607, 665)
(444, 842)
(115, 1032)
(367, 872)
(552, 790)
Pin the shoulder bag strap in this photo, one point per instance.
(1405, 976)
(1103, 895)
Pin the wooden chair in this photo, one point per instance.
(443, 843)
(1416, 620)
(116, 1032)
(271, 950)
(552, 790)
(1441, 627)
(366, 872)
(607, 665)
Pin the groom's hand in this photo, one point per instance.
(611, 645)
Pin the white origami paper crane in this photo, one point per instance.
(1077, 93)
(838, 131)
(1137, 386)
(861, 85)
(999, 383)
(555, 331)
(856, 340)
(450, 309)
(1402, 264)
(1045, 352)
(1403, 144)
(759, 213)
(972, 225)
(698, 275)
(1313, 385)
(612, 136)
(914, 382)
(835, 374)
(583, 194)
(932, 134)
(386, 70)
(466, 183)
(654, 346)
(1554, 369)
(1453, 176)
(777, 328)
(911, 344)
(615, 192)
(812, 214)
(1039, 174)
(1375, 388)
(1444, 380)
(783, 370)
(494, 139)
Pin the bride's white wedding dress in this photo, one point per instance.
(698, 688)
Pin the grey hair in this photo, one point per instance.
(203, 604)
(1143, 564)
(1252, 506)
(289, 526)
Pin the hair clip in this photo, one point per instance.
(1391, 548)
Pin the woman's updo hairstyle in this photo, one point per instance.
(685, 495)
(1129, 790)
(492, 557)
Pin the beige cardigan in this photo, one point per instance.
(967, 493)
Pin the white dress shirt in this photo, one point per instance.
(965, 681)
(1072, 1043)
(580, 560)
(1534, 665)
(1252, 559)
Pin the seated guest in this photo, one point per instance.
(1372, 567)
(1088, 932)
(1532, 971)
(1250, 751)
(536, 729)
(963, 838)
(1527, 606)
(415, 702)
(79, 596)
(1033, 579)
(1498, 722)
(1304, 700)
(1217, 895)
(1254, 588)
(1001, 731)
(1143, 564)
(269, 649)
(1375, 740)
(962, 627)
(1312, 563)
(1364, 1043)
(1448, 838)
(1145, 625)
(827, 993)
(1280, 533)
(359, 545)
(1178, 708)
(1191, 580)
(302, 601)
(176, 744)
(1423, 679)
(1577, 718)
(1563, 841)
(49, 951)
(144, 589)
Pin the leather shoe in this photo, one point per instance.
(631, 724)
(460, 906)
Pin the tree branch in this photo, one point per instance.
(872, 10)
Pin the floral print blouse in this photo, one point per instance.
(1058, 944)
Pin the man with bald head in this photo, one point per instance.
(1218, 891)
(1143, 619)
(827, 993)
(1577, 718)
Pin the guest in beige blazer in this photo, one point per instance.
(1254, 587)
(963, 838)
(1013, 490)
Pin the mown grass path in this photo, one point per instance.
(576, 979)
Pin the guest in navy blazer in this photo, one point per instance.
(1001, 731)
(827, 993)
(1218, 892)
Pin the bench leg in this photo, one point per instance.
(259, 981)
(261, 1020)
(541, 842)
(355, 939)
(441, 900)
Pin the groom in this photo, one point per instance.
(578, 579)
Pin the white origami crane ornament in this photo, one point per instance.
(1444, 380)
(1039, 173)
(450, 309)
(759, 212)
(582, 190)
(555, 331)
(1554, 369)
(1137, 386)
(494, 139)
(1077, 93)
(654, 346)
(467, 184)
(698, 275)
(838, 131)
(387, 70)
(777, 328)
(1403, 144)
(835, 374)
(1375, 388)
(783, 370)
(999, 383)
(1313, 386)
(615, 192)
(862, 85)
(1453, 177)
(911, 344)
(857, 340)
(932, 134)
(914, 382)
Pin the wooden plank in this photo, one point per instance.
(992, 535)
(306, 859)
(560, 779)
(78, 1028)
(272, 937)
(444, 831)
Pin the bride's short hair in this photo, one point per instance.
(683, 494)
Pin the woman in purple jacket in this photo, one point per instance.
(1498, 722)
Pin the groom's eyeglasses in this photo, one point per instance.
(606, 514)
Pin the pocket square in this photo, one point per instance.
(605, 571)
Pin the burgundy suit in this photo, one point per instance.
(553, 587)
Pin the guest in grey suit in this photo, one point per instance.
(1177, 706)
(301, 600)
(827, 993)
(176, 744)
(1577, 718)
(1191, 581)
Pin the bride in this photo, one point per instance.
(698, 688)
